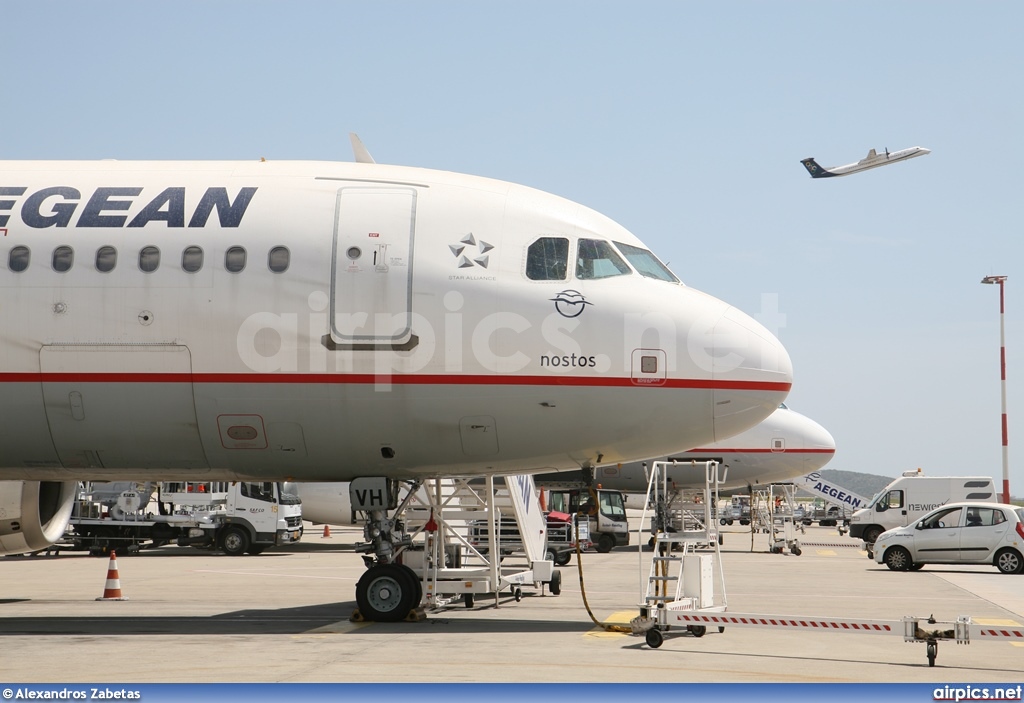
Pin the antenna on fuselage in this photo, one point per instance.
(359, 150)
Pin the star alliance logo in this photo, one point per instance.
(471, 252)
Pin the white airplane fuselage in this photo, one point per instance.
(872, 160)
(784, 446)
(323, 321)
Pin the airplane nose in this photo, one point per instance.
(752, 373)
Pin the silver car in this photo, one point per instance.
(958, 533)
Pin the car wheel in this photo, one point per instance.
(897, 559)
(871, 534)
(1009, 561)
(916, 566)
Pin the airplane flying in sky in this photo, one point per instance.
(780, 448)
(872, 160)
(318, 321)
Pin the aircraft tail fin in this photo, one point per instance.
(814, 169)
(360, 151)
(872, 154)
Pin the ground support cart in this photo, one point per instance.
(679, 579)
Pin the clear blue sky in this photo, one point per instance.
(683, 121)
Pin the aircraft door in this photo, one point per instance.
(121, 407)
(371, 300)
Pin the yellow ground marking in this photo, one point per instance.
(995, 621)
(341, 627)
(826, 552)
(620, 618)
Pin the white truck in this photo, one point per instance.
(912, 495)
(236, 517)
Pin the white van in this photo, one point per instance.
(912, 495)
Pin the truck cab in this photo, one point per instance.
(609, 527)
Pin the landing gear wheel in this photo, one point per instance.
(654, 638)
(555, 584)
(605, 543)
(697, 630)
(933, 651)
(234, 541)
(385, 594)
(417, 585)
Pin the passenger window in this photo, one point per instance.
(192, 259)
(18, 259)
(596, 258)
(984, 517)
(149, 259)
(547, 259)
(106, 259)
(234, 259)
(279, 259)
(63, 258)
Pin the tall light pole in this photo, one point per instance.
(1001, 280)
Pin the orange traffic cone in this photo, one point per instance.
(112, 591)
(327, 531)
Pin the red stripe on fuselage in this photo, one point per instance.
(711, 450)
(395, 379)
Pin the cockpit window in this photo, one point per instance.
(547, 259)
(646, 263)
(596, 258)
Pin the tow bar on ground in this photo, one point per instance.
(914, 629)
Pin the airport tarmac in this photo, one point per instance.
(283, 617)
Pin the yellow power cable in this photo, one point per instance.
(606, 626)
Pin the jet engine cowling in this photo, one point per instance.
(34, 514)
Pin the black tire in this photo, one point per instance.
(897, 559)
(517, 593)
(871, 534)
(933, 651)
(654, 638)
(562, 558)
(916, 566)
(417, 585)
(1008, 561)
(555, 584)
(722, 521)
(796, 551)
(697, 630)
(256, 549)
(234, 541)
(605, 543)
(384, 594)
(468, 599)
